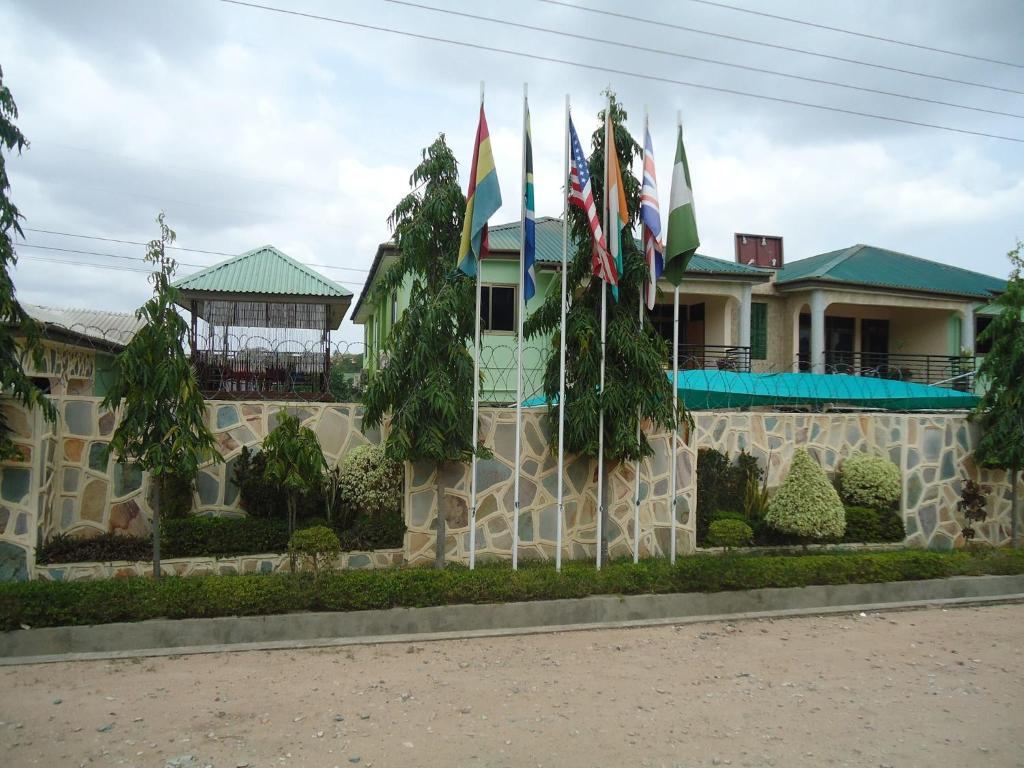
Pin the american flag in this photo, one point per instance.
(653, 247)
(581, 193)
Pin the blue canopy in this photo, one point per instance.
(702, 390)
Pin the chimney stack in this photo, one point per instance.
(759, 250)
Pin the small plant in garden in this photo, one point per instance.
(870, 481)
(865, 525)
(294, 461)
(755, 497)
(806, 504)
(729, 533)
(314, 549)
(370, 482)
(972, 506)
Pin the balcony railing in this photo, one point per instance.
(954, 371)
(714, 357)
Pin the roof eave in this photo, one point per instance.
(802, 283)
(360, 314)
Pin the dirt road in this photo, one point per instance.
(922, 688)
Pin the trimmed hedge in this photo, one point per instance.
(729, 533)
(47, 604)
(103, 548)
(870, 526)
(222, 536)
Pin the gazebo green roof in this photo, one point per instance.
(265, 274)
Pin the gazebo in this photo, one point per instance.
(261, 326)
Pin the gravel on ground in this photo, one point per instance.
(933, 687)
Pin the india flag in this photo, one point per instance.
(618, 212)
(682, 241)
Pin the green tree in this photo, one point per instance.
(294, 461)
(1001, 409)
(635, 358)
(20, 335)
(427, 384)
(162, 429)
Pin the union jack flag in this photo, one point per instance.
(581, 194)
(654, 249)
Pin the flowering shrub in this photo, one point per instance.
(370, 483)
(870, 481)
(729, 533)
(806, 504)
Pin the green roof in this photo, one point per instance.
(871, 266)
(265, 271)
(505, 237)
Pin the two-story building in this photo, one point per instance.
(861, 310)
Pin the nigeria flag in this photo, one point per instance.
(682, 241)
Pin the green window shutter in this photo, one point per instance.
(758, 331)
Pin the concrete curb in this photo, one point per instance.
(164, 637)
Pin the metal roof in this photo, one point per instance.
(505, 237)
(116, 328)
(879, 267)
(266, 271)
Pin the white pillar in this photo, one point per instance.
(745, 297)
(967, 330)
(817, 331)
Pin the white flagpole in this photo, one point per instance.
(640, 314)
(520, 311)
(476, 405)
(561, 348)
(675, 399)
(608, 147)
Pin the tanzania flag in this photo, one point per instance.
(682, 241)
(483, 198)
(618, 213)
(529, 225)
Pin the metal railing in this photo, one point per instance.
(714, 357)
(260, 372)
(953, 371)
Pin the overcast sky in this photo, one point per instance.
(249, 127)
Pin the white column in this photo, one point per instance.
(818, 331)
(745, 299)
(967, 329)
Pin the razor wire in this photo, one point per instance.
(262, 366)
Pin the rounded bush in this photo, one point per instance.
(729, 533)
(870, 481)
(728, 514)
(806, 504)
(315, 548)
(369, 482)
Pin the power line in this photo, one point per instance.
(776, 46)
(880, 38)
(718, 62)
(125, 258)
(626, 73)
(174, 247)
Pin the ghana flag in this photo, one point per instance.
(483, 198)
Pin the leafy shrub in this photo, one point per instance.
(373, 532)
(727, 514)
(722, 485)
(258, 496)
(869, 481)
(315, 548)
(370, 483)
(806, 504)
(729, 533)
(867, 526)
(223, 536)
(105, 548)
(47, 604)
(755, 497)
(176, 496)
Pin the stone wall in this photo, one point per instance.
(538, 494)
(67, 484)
(207, 566)
(933, 452)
